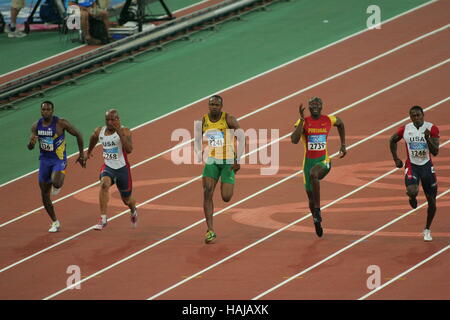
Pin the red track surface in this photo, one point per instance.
(394, 249)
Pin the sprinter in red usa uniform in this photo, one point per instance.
(422, 138)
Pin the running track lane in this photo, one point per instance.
(227, 235)
(305, 71)
(268, 263)
(80, 213)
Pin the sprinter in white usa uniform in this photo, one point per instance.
(116, 143)
(422, 138)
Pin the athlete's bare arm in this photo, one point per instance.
(66, 125)
(198, 136)
(92, 142)
(33, 137)
(339, 124)
(239, 134)
(297, 133)
(125, 138)
(393, 147)
(433, 143)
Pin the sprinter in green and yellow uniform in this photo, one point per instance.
(220, 129)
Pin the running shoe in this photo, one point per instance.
(55, 226)
(101, 224)
(317, 220)
(413, 202)
(210, 236)
(427, 235)
(55, 191)
(134, 218)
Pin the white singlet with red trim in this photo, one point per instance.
(416, 145)
(114, 155)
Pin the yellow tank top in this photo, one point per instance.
(220, 141)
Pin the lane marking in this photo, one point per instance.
(275, 233)
(256, 111)
(251, 78)
(346, 248)
(188, 182)
(231, 206)
(401, 275)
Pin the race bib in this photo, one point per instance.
(215, 139)
(317, 142)
(418, 149)
(111, 153)
(46, 143)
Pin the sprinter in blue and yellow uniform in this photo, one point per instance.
(49, 132)
(223, 162)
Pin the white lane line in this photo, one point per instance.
(197, 178)
(240, 118)
(251, 78)
(219, 212)
(345, 248)
(269, 235)
(195, 275)
(405, 272)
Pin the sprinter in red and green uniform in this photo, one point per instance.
(313, 132)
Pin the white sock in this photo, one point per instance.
(103, 217)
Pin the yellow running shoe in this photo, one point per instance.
(210, 236)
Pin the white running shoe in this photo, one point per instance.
(427, 235)
(16, 34)
(101, 224)
(55, 191)
(134, 219)
(55, 226)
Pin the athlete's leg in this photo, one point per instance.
(429, 185)
(45, 194)
(130, 202)
(431, 211)
(209, 184)
(412, 184)
(45, 184)
(58, 179)
(105, 184)
(227, 178)
(412, 190)
(310, 200)
(317, 173)
(125, 186)
(227, 191)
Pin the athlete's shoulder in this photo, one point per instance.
(401, 131)
(231, 121)
(63, 122)
(331, 118)
(434, 130)
(99, 130)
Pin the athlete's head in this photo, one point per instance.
(315, 106)
(112, 119)
(215, 104)
(416, 114)
(47, 110)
